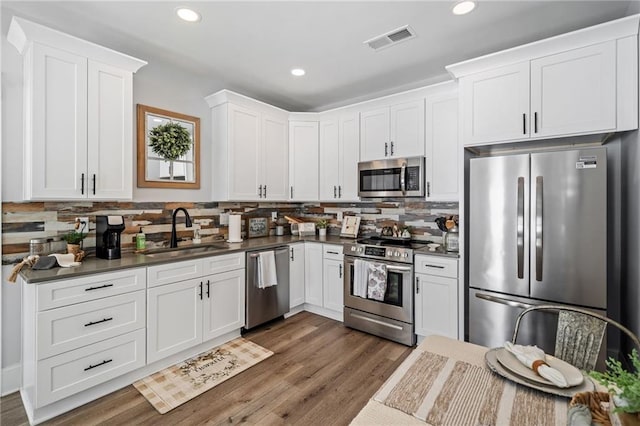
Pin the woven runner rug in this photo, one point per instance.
(442, 391)
(173, 386)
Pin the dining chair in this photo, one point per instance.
(579, 334)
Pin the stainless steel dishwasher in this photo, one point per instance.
(265, 304)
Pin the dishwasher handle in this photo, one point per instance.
(276, 250)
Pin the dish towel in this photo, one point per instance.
(535, 358)
(377, 281)
(360, 278)
(267, 269)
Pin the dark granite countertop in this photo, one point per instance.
(93, 265)
(438, 252)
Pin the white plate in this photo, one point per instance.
(495, 366)
(509, 361)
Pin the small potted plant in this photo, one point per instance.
(74, 238)
(322, 227)
(624, 388)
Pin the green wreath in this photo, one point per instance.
(170, 141)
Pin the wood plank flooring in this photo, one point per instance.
(321, 373)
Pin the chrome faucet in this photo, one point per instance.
(174, 238)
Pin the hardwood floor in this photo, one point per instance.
(321, 373)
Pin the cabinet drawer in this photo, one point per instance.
(67, 292)
(223, 263)
(436, 265)
(330, 251)
(72, 372)
(71, 327)
(174, 272)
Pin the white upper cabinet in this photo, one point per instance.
(580, 83)
(393, 131)
(250, 149)
(78, 116)
(303, 164)
(339, 151)
(441, 148)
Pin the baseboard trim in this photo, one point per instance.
(10, 379)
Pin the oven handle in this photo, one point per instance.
(399, 268)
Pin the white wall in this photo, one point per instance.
(156, 84)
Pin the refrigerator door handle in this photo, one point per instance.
(520, 228)
(538, 226)
(503, 301)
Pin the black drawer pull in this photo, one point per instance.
(98, 322)
(106, 361)
(332, 252)
(434, 266)
(208, 286)
(99, 287)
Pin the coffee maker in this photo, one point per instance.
(108, 229)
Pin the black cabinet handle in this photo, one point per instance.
(265, 191)
(99, 287)
(417, 285)
(260, 191)
(386, 149)
(428, 189)
(339, 191)
(94, 184)
(434, 266)
(335, 191)
(106, 361)
(98, 322)
(292, 254)
(340, 270)
(391, 147)
(208, 287)
(200, 290)
(291, 192)
(524, 123)
(535, 122)
(82, 184)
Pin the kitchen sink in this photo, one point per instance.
(170, 253)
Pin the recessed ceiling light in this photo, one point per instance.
(298, 72)
(463, 7)
(188, 15)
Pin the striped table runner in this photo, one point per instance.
(443, 391)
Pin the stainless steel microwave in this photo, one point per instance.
(398, 177)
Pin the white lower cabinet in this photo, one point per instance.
(436, 296)
(296, 275)
(81, 332)
(324, 279)
(185, 313)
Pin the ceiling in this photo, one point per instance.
(250, 47)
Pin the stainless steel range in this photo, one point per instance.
(391, 317)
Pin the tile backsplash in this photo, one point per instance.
(24, 221)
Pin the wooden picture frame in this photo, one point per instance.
(257, 227)
(157, 172)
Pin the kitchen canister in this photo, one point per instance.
(452, 240)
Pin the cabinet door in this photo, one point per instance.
(407, 129)
(244, 153)
(275, 151)
(174, 318)
(436, 306)
(333, 287)
(329, 159)
(313, 274)
(441, 148)
(575, 91)
(496, 105)
(374, 134)
(304, 161)
(110, 148)
(223, 308)
(56, 150)
(296, 275)
(350, 154)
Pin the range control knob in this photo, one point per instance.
(353, 248)
(360, 249)
(405, 254)
(397, 254)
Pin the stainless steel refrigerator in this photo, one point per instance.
(537, 234)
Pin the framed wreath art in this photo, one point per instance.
(168, 149)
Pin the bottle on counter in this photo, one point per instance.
(141, 240)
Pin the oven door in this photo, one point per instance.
(398, 300)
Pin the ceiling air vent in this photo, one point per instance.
(391, 38)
